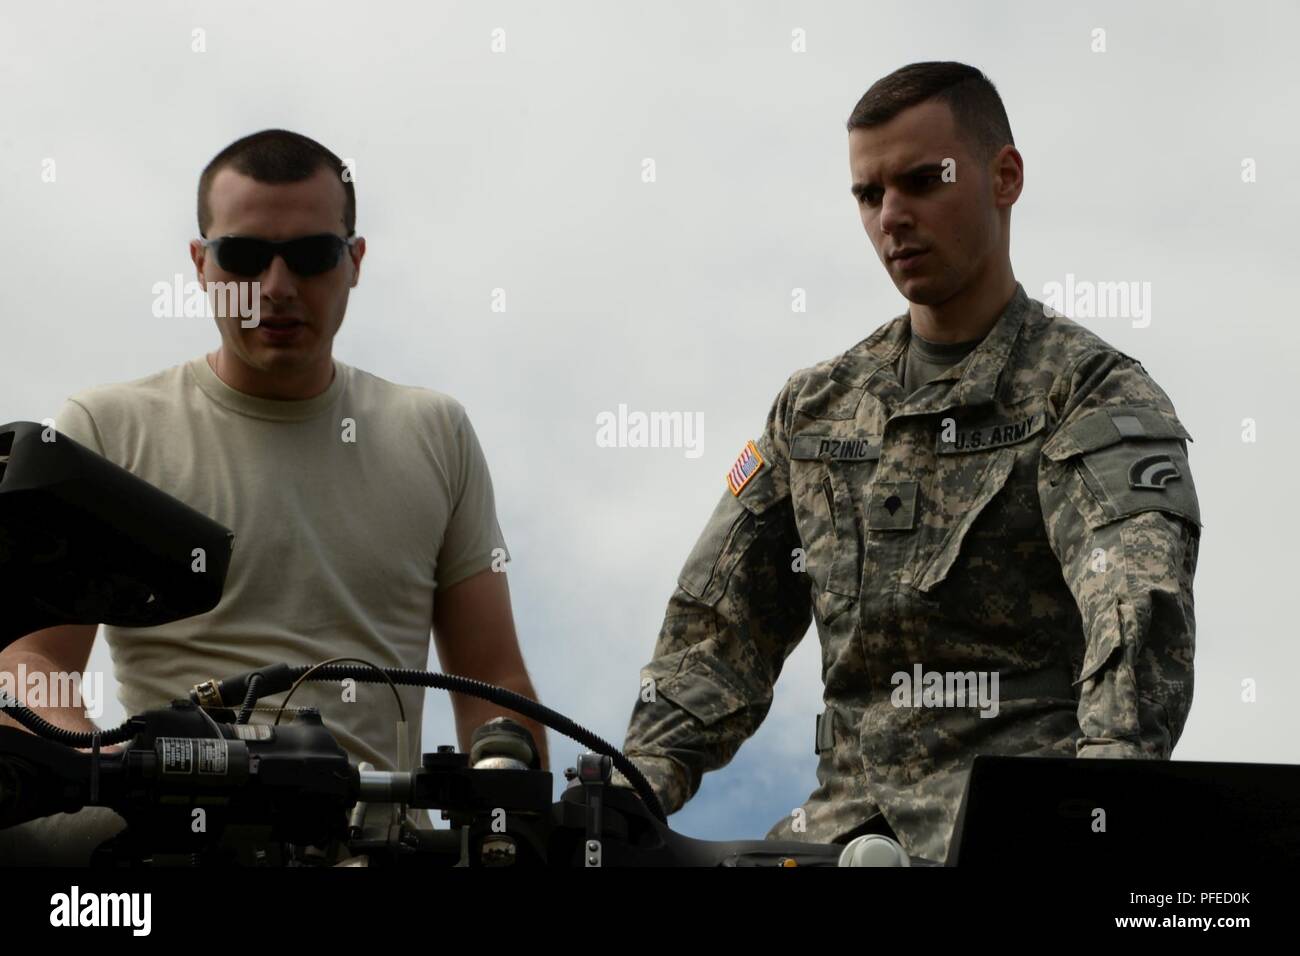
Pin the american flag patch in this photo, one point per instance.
(745, 468)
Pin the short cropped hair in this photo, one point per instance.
(976, 107)
(276, 156)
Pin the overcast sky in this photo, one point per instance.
(522, 170)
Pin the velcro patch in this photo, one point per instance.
(892, 506)
(745, 468)
(1153, 472)
(816, 447)
(954, 440)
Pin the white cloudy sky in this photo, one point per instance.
(521, 170)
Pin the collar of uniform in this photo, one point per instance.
(977, 375)
(861, 364)
(871, 363)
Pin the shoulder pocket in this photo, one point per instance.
(696, 681)
(1130, 459)
(732, 528)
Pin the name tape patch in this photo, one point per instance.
(745, 468)
(815, 447)
(954, 440)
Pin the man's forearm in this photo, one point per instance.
(14, 663)
(473, 712)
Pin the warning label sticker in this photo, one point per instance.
(212, 756)
(176, 754)
(185, 755)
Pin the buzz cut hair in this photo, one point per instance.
(977, 109)
(276, 156)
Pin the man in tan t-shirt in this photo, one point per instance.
(363, 511)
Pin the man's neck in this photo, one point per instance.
(969, 314)
(305, 385)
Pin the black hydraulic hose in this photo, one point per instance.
(506, 698)
(73, 738)
(250, 700)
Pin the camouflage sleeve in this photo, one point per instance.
(1122, 517)
(738, 611)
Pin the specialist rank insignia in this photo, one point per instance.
(745, 468)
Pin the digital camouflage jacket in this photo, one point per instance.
(1028, 516)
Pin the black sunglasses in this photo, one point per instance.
(305, 256)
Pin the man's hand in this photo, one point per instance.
(474, 632)
(111, 749)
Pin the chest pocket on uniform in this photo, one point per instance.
(827, 498)
(968, 503)
(844, 576)
(976, 458)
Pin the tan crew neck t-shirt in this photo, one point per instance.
(350, 510)
(922, 360)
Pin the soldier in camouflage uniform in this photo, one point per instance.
(1028, 513)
